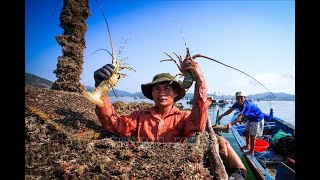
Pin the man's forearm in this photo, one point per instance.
(237, 120)
(199, 112)
(226, 113)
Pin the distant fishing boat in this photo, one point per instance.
(274, 157)
(190, 101)
(218, 101)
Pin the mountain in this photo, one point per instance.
(37, 81)
(34, 80)
(268, 96)
(261, 97)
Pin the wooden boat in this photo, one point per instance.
(276, 160)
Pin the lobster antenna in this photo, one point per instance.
(123, 43)
(182, 35)
(110, 38)
(105, 19)
(100, 50)
(199, 55)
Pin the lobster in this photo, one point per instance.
(96, 96)
(188, 78)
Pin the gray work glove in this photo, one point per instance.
(103, 74)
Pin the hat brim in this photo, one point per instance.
(147, 90)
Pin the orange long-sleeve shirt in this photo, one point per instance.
(146, 125)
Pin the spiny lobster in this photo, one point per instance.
(96, 96)
(188, 79)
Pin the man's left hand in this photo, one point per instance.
(229, 126)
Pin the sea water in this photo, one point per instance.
(284, 110)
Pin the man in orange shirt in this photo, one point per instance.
(233, 163)
(164, 122)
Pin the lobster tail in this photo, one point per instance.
(188, 78)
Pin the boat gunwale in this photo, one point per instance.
(253, 162)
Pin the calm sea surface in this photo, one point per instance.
(284, 110)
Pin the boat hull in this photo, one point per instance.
(266, 170)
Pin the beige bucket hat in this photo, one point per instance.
(163, 77)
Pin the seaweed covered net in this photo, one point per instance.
(64, 140)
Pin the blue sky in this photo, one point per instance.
(257, 37)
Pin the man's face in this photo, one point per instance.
(240, 99)
(163, 94)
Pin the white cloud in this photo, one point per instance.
(272, 82)
(291, 74)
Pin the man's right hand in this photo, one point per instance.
(103, 74)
